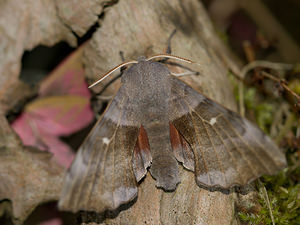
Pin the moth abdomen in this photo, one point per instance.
(165, 170)
(164, 166)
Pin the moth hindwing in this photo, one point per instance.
(156, 120)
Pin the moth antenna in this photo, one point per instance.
(171, 57)
(110, 72)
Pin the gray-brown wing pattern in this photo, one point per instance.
(228, 149)
(101, 176)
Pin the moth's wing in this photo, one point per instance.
(101, 176)
(228, 149)
(141, 158)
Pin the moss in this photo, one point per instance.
(279, 194)
(283, 194)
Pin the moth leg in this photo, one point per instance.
(168, 50)
(185, 73)
(114, 79)
(121, 53)
(99, 100)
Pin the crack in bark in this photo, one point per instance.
(92, 28)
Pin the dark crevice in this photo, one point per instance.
(47, 212)
(93, 28)
(6, 210)
(88, 34)
(107, 5)
(6, 220)
(37, 63)
(63, 22)
(90, 216)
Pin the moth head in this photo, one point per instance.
(145, 72)
(142, 61)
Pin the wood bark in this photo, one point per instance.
(28, 177)
(136, 28)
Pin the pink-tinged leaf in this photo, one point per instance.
(24, 128)
(67, 78)
(61, 109)
(27, 127)
(54, 221)
(47, 118)
(63, 154)
(61, 115)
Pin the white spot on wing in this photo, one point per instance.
(213, 121)
(105, 140)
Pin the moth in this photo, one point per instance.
(156, 122)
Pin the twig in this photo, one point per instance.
(264, 64)
(282, 83)
(266, 197)
(270, 65)
(295, 102)
(252, 65)
(241, 99)
(250, 55)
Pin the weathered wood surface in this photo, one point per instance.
(136, 28)
(28, 177)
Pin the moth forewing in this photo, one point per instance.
(156, 120)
